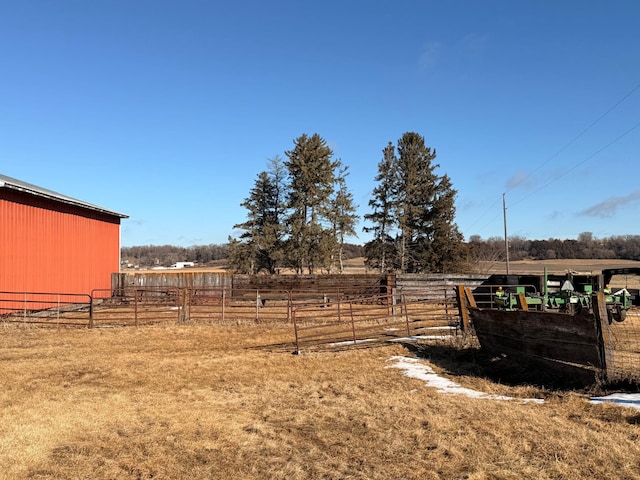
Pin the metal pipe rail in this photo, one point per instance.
(380, 318)
(45, 308)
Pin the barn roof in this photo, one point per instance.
(18, 185)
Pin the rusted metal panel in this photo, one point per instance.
(47, 246)
(349, 324)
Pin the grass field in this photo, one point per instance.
(222, 402)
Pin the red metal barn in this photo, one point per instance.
(53, 243)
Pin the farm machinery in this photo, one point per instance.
(562, 296)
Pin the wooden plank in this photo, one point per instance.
(463, 307)
(521, 302)
(605, 347)
(471, 301)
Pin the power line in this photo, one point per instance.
(572, 141)
(558, 177)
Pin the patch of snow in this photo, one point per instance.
(631, 400)
(414, 368)
(351, 342)
(422, 337)
(442, 327)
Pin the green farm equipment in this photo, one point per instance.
(563, 299)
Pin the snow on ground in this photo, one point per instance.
(631, 400)
(421, 337)
(441, 327)
(352, 342)
(396, 339)
(416, 368)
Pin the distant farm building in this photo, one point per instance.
(183, 264)
(53, 243)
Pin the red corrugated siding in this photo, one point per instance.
(46, 246)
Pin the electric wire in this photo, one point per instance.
(563, 148)
(574, 139)
(558, 177)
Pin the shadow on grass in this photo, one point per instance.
(473, 361)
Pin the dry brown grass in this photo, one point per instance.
(203, 402)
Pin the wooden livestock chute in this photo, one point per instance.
(572, 346)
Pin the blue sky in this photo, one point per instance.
(168, 110)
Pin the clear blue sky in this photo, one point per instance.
(168, 110)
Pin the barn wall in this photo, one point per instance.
(47, 246)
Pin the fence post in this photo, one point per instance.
(295, 330)
(394, 302)
(135, 307)
(257, 304)
(353, 323)
(184, 306)
(224, 301)
(463, 308)
(446, 305)
(406, 313)
(390, 291)
(91, 310)
(605, 349)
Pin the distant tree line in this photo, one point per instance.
(204, 255)
(586, 246)
(621, 247)
(166, 255)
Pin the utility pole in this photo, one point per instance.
(506, 241)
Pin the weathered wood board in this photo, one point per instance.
(551, 336)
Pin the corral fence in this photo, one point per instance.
(366, 312)
(334, 319)
(318, 312)
(41, 308)
(428, 315)
(163, 297)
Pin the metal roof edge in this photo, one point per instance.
(18, 185)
